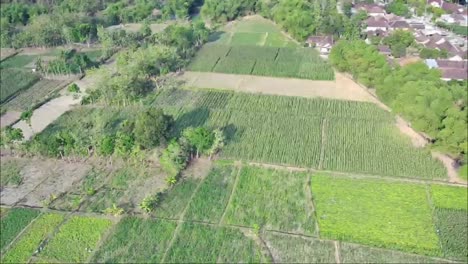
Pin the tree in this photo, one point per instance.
(124, 143)
(151, 128)
(399, 37)
(200, 138)
(107, 145)
(218, 142)
(399, 8)
(174, 158)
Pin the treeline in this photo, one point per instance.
(433, 106)
(139, 66)
(301, 18)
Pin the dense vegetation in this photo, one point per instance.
(437, 108)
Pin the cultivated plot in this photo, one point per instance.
(13, 81)
(375, 212)
(273, 200)
(136, 240)
(13, 223)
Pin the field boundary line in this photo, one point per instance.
(323, 142)
(234, 187)
(5, 250)
(103, 239)
(263, 41)
(180, 222)
(434, 215)
(358, 175)
(337, 252)
(310, 199)
(266, 247)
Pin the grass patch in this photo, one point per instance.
(276, 40)
(12, 224)
(75, 240)
(375, 212)
(212, 197)
(449, 197)
(174, 201)
(452, 227)
(11, 173)
(13, 81)
(18, 61)
(352, 253)
(272, 199)
(293, 249)
(29, 242)
(136, 241)
(207, 244)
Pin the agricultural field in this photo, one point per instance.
(302, 132)
(35, 95)
(136, 240)
(207, 244)
(18, 61)
(388, 207)
(273, 200)
(30, 241)
(75, 240)
(13, 223)
(13, 80)
(253, 30)
(300, 63)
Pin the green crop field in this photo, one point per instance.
(30, 241)
(211, 198)
(18, 61)
(247, 38)
(449, 197)
(13, 223)
(276, 200)
(266, 61)
(206, 244)
(174, 201)
(452, 227)
(353, 253)
(36, 94)
(136, 241)
(290, 131)
(375, 212)
(293, 249)
(13, 81)
(75, 240)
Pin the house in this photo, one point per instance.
(449, 74)
(444, 63)
(450, 8)
(400, 24)
(461, 20)
(322, 43)
(376, 23)
(372, 10)
(384, 50)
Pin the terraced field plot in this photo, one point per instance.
(13, 222)
(36, 94)
(264, 61)
(13, 80)
(375, 212)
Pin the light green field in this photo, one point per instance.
(276, 200)
(136, 240)
(375, 212)
(174, 200)
(449, 197)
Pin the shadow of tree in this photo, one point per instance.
(196, 117)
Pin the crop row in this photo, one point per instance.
(266, 61)
(13, 81)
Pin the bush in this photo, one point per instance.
(73, 88)
(149, 203)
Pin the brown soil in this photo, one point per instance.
(416, 139)
(408, 60)
(449, 165)
(342, 89)
(6, 52)
(9, 118)
(41, 179)
(198, 168)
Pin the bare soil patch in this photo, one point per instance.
(9, 118)
(6, 53)
(198, 168)
(341, 89)
(449, 165)
(416, 139)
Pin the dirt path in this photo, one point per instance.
(359, 175)
(340, 89)
(416, 139)
(221, 220)
(448, 163)
(337, 251)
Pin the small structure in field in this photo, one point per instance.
(322, 43)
